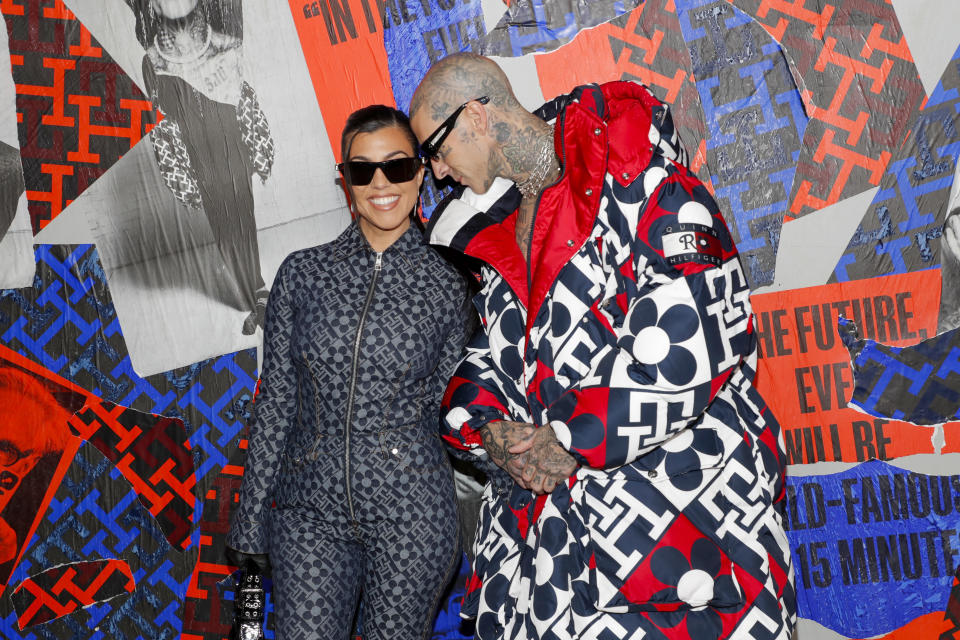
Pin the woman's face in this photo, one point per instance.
(383, 207)
(173, 9)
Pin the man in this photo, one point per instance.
(612, 381)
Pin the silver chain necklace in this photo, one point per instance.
(538, 175)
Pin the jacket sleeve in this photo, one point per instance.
(680, 321)
(473, 398)
(461, 418)
(274, 412)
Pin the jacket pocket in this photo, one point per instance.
(654, 539)
(411, 448)
(682, 460)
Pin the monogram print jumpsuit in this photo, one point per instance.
(347, 485)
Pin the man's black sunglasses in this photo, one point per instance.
(359, 172)
(430, 147)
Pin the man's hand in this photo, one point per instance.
(541, 461)
(499, 436)
(531, 455)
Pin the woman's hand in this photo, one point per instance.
(259, 561)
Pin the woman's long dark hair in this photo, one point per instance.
(373, 118)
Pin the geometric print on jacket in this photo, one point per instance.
(631, 334)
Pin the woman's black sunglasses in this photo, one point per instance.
(359, 173)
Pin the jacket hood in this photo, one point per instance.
(625, 126)
(637, 124)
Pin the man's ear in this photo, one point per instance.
(478, 116)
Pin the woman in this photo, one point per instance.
(361, 337)
(214, 137)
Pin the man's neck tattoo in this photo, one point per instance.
(537, 177)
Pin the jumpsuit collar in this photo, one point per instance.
(352, 241)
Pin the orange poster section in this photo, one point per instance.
(580, 61)
(587, 59)
(806, 376)
(342, 42)
(648, 48)
(930, 626)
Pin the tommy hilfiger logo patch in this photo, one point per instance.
(690, 242)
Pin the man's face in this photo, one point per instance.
(22, 442)
(19, 454)
(17, 458)
(461, 156)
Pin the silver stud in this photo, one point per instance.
(585, 320)
(625, 175)
(569, 243)
(589, 192)
(652, 473)
(596, 131)
(394, 451)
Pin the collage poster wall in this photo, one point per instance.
(147, 199)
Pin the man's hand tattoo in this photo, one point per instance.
(543, 463)
(499, 436)
(531, 455)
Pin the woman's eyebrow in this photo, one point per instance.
(398, 152)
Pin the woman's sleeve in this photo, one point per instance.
(274, 412)
(461, 322)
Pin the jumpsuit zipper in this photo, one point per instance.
(353, 384)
